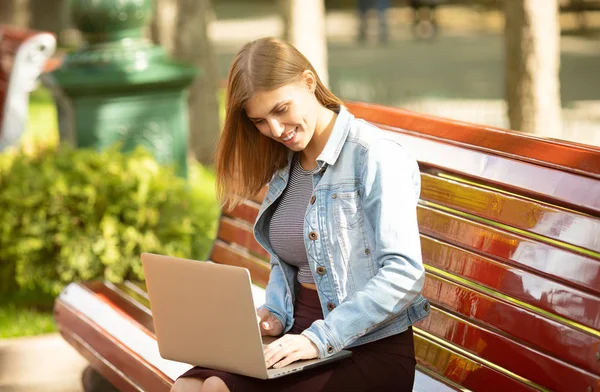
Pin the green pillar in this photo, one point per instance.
(122, 88)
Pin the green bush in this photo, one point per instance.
(69, 215)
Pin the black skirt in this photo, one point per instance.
(384, 365)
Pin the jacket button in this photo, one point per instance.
(367, 251)
(321, 270)
(330, 306)
(312, 199)
(329, 349)
(313, 236)
(426, 306)
(334, 196)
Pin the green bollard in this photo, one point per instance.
(120, 87)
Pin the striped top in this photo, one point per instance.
(286, 231)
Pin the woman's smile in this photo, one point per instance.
(288, 138)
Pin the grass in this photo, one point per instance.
(16, 321)
(25, 314)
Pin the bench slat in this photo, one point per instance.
(122, 300)
(546, 334)
(246, 211)
(112, 350)
(240, 234)
(523, 214)
(565, 155)
(109, 371)
(507, 354)
(463, 370)
(103, 325)
(542, 183)
(538, 257)
(139, 287)
(507, 280)
(226, 254)
(132, 292)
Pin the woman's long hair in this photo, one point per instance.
(246, 160)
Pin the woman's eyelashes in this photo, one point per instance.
(281, 109)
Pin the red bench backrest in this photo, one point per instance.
(510, 232)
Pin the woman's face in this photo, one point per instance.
(287, 114)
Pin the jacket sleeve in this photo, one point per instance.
(276, 295)
(389, 189)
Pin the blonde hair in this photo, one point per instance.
(246, 160)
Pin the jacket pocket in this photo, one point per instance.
(347, 210)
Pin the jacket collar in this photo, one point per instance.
(337, 138)
(334, 144)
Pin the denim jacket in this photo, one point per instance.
(361, 238)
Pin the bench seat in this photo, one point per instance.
(113, 323)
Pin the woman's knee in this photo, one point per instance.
(214, 384)
(187, 384)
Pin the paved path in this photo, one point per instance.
(42, 363)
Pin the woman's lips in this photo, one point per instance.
(289, 137)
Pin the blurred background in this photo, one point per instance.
(454, 67)
(86, 209)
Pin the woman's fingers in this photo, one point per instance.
(274, 352)
(286, 360)
(288, 349)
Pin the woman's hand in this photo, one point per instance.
(288, 349)
(269, 324)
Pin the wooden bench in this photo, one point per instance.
(24, 55)
(510, 232)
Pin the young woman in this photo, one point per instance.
(339, 221)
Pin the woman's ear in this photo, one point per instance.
(309, 80)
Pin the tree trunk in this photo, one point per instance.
(8, 11)
(304, 25)
(14, 12)
(164, 24)
(48, 15)
(532, 50)
(192, 45)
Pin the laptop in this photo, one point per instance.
(204, 315)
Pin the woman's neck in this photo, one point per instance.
(325, 121)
